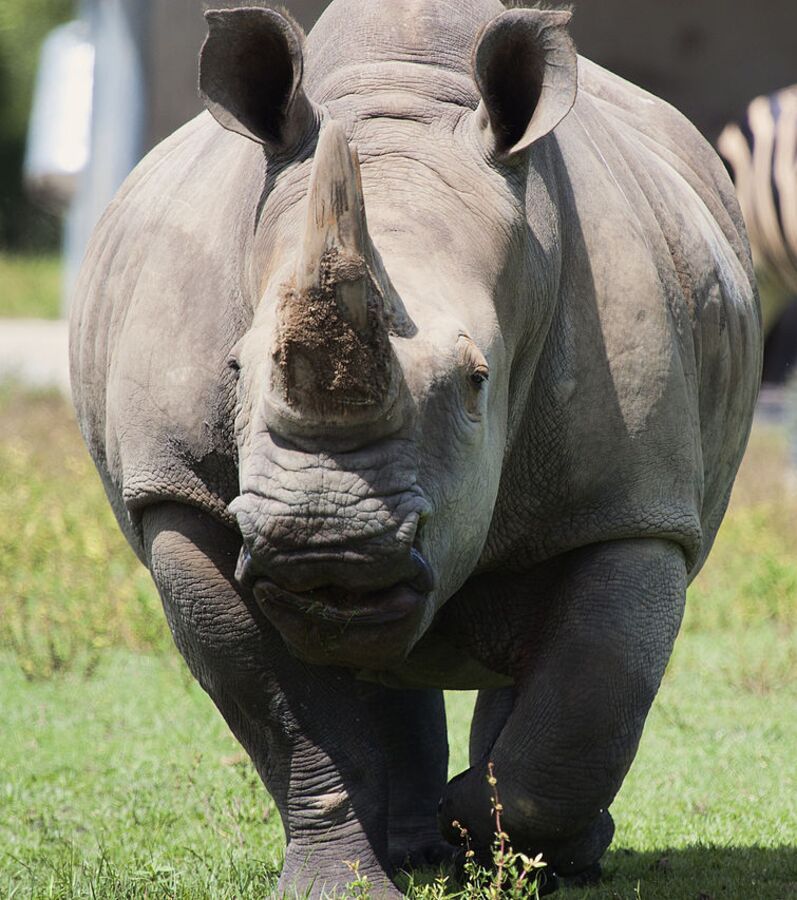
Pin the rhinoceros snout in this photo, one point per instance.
(301, 553)
(334, 548)
(352, 604)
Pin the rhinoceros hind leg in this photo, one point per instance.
(588, 878)
(413, 736)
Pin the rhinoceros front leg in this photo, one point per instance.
(319, 738)
(564, 738)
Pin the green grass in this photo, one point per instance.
(69, 584)
(125, 782)
(30, 286)
(119, 779)
(129, 784)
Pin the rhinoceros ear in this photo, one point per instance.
(250, 76)
(526, 68)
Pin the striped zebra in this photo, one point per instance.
(761, 152)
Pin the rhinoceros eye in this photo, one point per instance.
(234, 364)
(479, 376)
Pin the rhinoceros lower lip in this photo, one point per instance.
(417, 574)
(335, 606)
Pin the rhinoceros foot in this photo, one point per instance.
(419, 849)
(311, 878)
(577, 859)
(589, 877)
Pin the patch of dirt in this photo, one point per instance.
(324, 360)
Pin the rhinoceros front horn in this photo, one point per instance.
(333, 351)
(336, 232)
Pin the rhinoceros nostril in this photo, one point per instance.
(423, 580)
(244, 569)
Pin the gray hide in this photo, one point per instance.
(432, 367)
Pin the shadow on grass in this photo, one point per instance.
(699, 872)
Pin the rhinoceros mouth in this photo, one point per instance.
(377, 608)
(338, 604)
(333, 625)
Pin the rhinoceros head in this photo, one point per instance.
(375, 382)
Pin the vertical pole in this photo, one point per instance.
(118, 30)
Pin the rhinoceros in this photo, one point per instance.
(423, 359)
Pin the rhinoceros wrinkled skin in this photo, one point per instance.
(431, 368)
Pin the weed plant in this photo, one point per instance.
(511, 875)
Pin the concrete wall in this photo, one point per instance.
(707, 57)
(176, 31)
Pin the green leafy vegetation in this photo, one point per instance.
(118, 778)
(31, 286)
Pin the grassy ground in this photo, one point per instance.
(30, 286)
(119, 779)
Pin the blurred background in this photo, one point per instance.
(99, 718)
